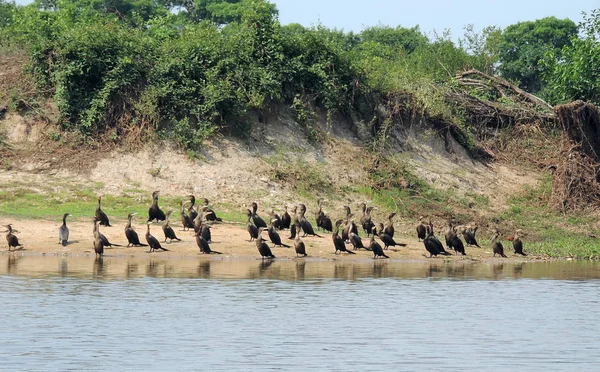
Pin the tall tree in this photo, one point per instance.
(524, 44)
(574, 72)
(217, 11)
(408, 39)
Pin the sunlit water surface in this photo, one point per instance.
(117, 314)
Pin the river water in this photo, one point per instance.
(127, 314)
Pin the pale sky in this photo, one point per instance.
(355, 15)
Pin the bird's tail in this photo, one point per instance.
(215, 252)
(219, 219)
(142, 245)
(64, 243)
(385, 255)
(115, 245)
(401, 244)
(285, 245)
(350, 252)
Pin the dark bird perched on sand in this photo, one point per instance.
(186, 221)
(376, 247)
(275, 219)
(131, 234)
(453, 241)
(100, 215)
(517, 243)
(98, 243)
(457, 244)
(286, 219)
(365, 220)
(304, 224)
(432, 243)
(203, 244)
(353, 227)
(497, 245)
(154, 212)
(274, 236)
(323, 220)
(469, 235)
(104, 239)
(389, 227)
(251, 228)
(192, 212)
(299, 246)
(63, 231)
(256, 219)
(263, 248)
(152, 241)
(11, 239)
(338, 242)
(168, 230)
(209, 214)
(387, 240)
(356, 241)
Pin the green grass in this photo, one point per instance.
(549, 232)
(49, 203)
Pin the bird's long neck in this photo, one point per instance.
(65, 220)
(128, 226)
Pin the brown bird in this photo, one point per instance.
(13, 241)
(517, 243)
(299, 245)
(421, 229)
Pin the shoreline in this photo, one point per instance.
(40, 237)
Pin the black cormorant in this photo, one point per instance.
(497, 245)
(100, 215)
(338, 242)
(131, 234)
(263, 248)
(152, 241)
(154, 212)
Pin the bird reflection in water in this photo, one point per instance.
(63, 268)
(132, 269)
(11, 264)
(497, 270)
(300, 269)
(99, 267)
(203, 269)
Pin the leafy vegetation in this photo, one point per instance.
(572, 72)
(524, 44)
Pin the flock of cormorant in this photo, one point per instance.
(200, 220)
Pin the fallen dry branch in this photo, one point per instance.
(504, 84)
(498, 104)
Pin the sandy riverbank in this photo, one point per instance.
(232, 240)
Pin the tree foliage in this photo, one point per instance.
(574, 72)
(524, 44)
(130, 65)
(6, 11)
